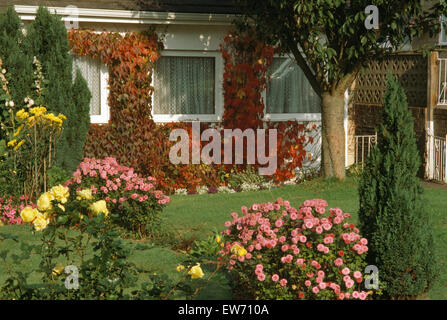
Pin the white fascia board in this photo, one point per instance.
(128, 16)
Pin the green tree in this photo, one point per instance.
(392, 214)
(47, 40)
(17, 62)
(331, 43)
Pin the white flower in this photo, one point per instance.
(249, 187)
(181, 191)
(202, 190)
(225, 189)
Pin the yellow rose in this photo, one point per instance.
(60, 193)
(40, 222)
(196, 272)
(85, 194)
(180, 268)
(241, 252)
(28, 214)
(44, 202)
(58, 270)
(99, 207)
(235, 249)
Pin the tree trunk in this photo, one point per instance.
(333, 135)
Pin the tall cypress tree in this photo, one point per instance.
(16, 61)
(392, 215)
(47, 40)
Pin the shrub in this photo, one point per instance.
(10, 209)
(134, 201)
(48, 41)
(392, 214)
(275, 251)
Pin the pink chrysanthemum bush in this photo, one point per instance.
(10, 209)
(134, 201)
(275, 251)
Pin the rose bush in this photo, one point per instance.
(275, 251)
(134, 201)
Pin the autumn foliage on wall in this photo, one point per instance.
(135, 140)
(246, 63)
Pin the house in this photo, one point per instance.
(188, 78)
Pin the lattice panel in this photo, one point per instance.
(411, 70)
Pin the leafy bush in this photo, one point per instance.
(134, 201)
(275, 251)
(392, 212)
(57, 176)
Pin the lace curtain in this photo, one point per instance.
(184, 85)
(289, 91)
(91, 71)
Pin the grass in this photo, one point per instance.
(198, 216)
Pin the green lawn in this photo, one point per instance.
(197, 216)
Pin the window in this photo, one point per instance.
(96, 76)
(186, 87)
(443, 35)
(289, 94)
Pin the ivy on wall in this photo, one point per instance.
(137, 141)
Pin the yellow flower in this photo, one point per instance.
(60, 193)
(85, 194)
(19, 144)
(293, 287)
(61, 116)
(18, 130)
(1, 223)
(58, 270)
(28, 214)
(38, 111)
(40, 222)
(61, 207)
(12, 142)
(22, 114)
(31, 121)
(196, 272)
(218, 239)
(44, 202)
(235, 249)
(180, 268)
(53, 119)
(241, 252)
(99, 207)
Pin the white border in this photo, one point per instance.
(218, 90)
(287, 116)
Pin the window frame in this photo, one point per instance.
(306, 116)
(218, 89)
(104, 117)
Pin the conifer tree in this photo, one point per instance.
(392, 214)
(17, 62)
(47, 40)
